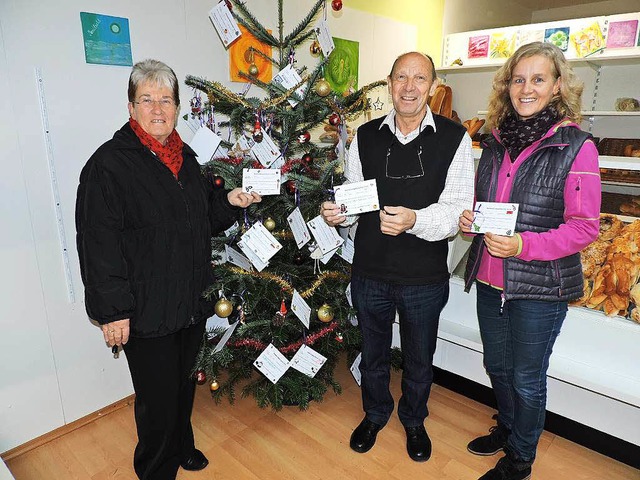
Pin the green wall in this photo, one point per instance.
(426, 15)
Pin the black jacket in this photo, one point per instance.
(144, 238)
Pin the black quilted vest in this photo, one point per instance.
(538, 187)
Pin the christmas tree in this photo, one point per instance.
(259, 298)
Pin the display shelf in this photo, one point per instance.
(603, 59)
(605, 161)
(593, 113)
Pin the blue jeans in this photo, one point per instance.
(418, 308)
(517, 346)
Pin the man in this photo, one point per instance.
(423, 168)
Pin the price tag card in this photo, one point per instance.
(358, 197)
(261, 180)
(260, 241)
(307, 361)
(205, 143)
(355, 369)
(271, 363)
(324, 38)
(299, 228)
(301, 308)
(347, 250)
(495, 217)
(325, 236)
(224, 23)
(288, 78)
(232, 229)
(256, 261)
(266, 152)
(235, 257)
(225, 338)
(347, 292)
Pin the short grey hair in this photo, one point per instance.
(434, 75)
(156, 72)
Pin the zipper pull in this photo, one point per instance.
(502, 302)
(180, 185)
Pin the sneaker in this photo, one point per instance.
(490, 444)
(509, 469)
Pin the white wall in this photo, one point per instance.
(54, 366)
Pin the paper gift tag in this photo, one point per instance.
(224, 23)
(271, 363)
(299, 228)
(307, 361)
(301, 308)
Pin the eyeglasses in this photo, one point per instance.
(408, 175)
(148, 104)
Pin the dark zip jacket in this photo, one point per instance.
(538, 187)
(144, 237)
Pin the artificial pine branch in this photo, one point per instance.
(303, 25)
(252, 24)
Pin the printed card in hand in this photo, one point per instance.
(307, 361)
(263, 181)
(495, 217)
(271, 363)
(358, 197)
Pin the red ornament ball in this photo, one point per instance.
(307, 159)
(218, 182)
(336, 5)
(334, 119)
(304, 137)
(201, 377)
(290, 187)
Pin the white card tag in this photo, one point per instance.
(355, 369)
(495, 217)
(225, 338)
(327, 256)
(216, 323)
(224, 23)
(205, 143)
(266, 152)
(358, 197)
(324, 38)
(288, 78)
(347, 250)
(260, 241)
(301, 308)
(235, 257)
(261, 180)
(232, 229)
(326, 237)
(299, 228)
(307, 361)
(271, 363)
(347, 292)
(256, 261)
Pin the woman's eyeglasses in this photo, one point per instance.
(149, 104)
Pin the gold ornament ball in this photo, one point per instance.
(325, 313)
(214, 386)
(323, 88)
(223, 308)
(269, 223)
(253, 70)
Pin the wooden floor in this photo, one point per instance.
(245, 442)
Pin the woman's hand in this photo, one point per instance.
(465, 221)
(331, 214)
(396, 220)
(116, 333)
(501, 246)
(241, 199)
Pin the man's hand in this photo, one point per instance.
(501, 246)
(396, 220)
(238, 198)
(116, 333)
(331, 214)
(465, 221)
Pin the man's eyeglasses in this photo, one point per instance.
(148, 104)
(415, 173)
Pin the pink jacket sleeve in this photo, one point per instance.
(582, 197)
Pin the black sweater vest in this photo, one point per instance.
(404, 259)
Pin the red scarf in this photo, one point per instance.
(170, 153)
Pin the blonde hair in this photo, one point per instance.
(567, 101)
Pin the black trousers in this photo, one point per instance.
(161, 373)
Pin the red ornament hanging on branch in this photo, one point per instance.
(336, 5)
(304, 137)
(334, 119)
(257, 132)
(290, 187)
(218, 182)
(201, 377)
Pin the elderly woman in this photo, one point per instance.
(144, 217)
(538, 158)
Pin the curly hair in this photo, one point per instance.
(568, 100)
